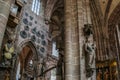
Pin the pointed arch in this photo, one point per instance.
(27, 60)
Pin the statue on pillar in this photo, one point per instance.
(90, 58)
(90, 50)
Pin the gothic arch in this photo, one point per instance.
(49, 8)
(27, 60)
(113, 21)
(115, 15)
(27, 42)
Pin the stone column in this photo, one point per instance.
(4, 13)
(72, 62)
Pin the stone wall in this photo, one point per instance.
(4, 13)
(33, 28)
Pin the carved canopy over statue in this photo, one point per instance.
(88, 31)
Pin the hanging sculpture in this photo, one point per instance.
(8, 53)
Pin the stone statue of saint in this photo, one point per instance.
(90, 49)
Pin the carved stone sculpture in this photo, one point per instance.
(90, 49)
(8, 52)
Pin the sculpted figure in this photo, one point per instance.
(90, 49)
(8, 52)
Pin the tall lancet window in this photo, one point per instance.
(36, 6)
(55, 51)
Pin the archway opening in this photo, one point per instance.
(27, 67)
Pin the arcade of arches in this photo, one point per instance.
(59, 39)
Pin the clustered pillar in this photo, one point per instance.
(72, 61)
(4, 13)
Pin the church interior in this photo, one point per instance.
(59, 40)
